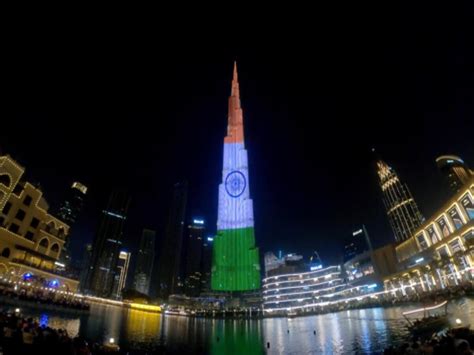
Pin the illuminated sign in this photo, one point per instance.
(419, 260)
(210, 239)
(372, 286)
(80, 187)
(317, 267)
(114, 214)
(198, 221)
(57, 263)
(360, 231)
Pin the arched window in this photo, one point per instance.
(61, 232)
(6, 252)
(50, 227)
(5, 180)
(44, 242)
(55, 248)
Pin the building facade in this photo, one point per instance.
(236, 265)
(107, 245)
(145, 261)
(120, 278)
(31, 239)
(169, 268)
(455, 171)
(68, 212)
(402, 211)
(194, 254)
(440, 253)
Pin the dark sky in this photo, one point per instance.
(144, 105)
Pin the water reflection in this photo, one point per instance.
(346, 332)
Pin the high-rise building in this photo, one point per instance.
(107, 245)
(31, 238)
(357, 244)
(85, 264)
(68, 212)
(145, 260)
(236, 265)
(120, 278)
(455, 171)
(170, 256)
(192, 282)
(402, 210)
(206, 264)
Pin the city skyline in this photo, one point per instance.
(276, 225)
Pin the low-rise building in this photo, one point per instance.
(440, 253)
(31, 239)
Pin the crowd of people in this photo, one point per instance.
(20, 335)
(455, 342)
(44, 298)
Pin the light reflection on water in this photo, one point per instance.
(346, 332)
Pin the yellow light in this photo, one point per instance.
(145, 307)
(111, 340)
(458, 321)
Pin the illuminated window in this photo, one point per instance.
(468, 205)
(455, 246)
(434, 237)
(469, 236)
(443, 252)
(455, 217)
(443, 225)
(422, 241)
(20, 215)
(27, 200)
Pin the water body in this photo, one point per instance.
(363, 331)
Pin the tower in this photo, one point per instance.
(455, 171)
(402, 210)
(145, 259)
(107, 245)
(68, 212)
(235, 262)
(121, 273)
(192, 283)
(170, 257)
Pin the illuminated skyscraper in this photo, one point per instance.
(192, 282)
(120, 278)
(402, 211)
(455, 170)
(145, 259)
(68, 212)
(236, 264)
(170, 261)
(107, 245)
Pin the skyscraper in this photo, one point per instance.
(192, 282)
(402, 210)
(455, 171)
(170, 256)
(121, 273)
(68, 212)
(357, 244)
(206, 264)
(145, 259)
(107, 245)
(236, 265)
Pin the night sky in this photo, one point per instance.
(146, 107)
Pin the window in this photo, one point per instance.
(29, 235)
(443, 225)
(7, 207)
(455, 246)
(6, 252)
(422, 241)
(432, 234)
(14, 228)
(443, 252)
(18, 189)
(468, 205)
(55, 248)
(455, 217)
(5, 180)
(20, 215)
(27, 200)
(44, 243)
(34, 222)
(469, 236)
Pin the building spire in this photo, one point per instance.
(235, 126)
